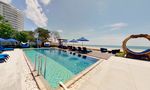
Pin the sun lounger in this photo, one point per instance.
(85, 51)
(103, 50)
(74, 49)
(115, 51)
(4, 56)
(79, 49)
(5, 49)
(70, 48)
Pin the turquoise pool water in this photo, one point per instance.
(60, 65)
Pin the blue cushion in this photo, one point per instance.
(143, 52)
(2, 57)
(6, 55)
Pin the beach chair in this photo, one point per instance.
(103, 50)
(79, 49)
(74, 49)
(5, 49)
(85, 51)
(115, 51)
(3, 57)
(65, 47)
(70, 48)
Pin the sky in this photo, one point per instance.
(103, 22)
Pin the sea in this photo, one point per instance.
(120, 47)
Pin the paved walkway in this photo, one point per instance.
(15, 74)
(116, 74)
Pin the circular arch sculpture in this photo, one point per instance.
(136, 55)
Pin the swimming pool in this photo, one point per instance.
(60, 65)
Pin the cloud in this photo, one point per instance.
(60, 31)
(45, 2)
(118, 26)
(6, 1)
(35, 13)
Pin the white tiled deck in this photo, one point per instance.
(116, 74)
(15, 74)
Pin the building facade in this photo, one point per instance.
(12, 15)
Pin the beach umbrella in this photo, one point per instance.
(2, 40)
(73, 41)
(83, 39)
(12, 40)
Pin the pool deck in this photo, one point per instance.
(15, 73)
(116, 73)
(100, 55)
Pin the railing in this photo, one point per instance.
(38, 65)
(63, 86)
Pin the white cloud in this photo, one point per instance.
(35, 13)
(60, 31)
(45, 2)
(6, 1)
(117, 26)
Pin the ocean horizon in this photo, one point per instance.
(119, 47)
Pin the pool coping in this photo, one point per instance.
(40, 81)
(43, 84)
(81, 74)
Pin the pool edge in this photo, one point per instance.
(82, 74)
(40, 81)
(71, 81)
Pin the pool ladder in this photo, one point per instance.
(38, 64)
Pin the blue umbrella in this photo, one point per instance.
(12, 40)
(73, 41)
(2, 40)
(83, 39)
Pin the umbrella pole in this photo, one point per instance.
(82, 44)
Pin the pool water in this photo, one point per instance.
(60, 65)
